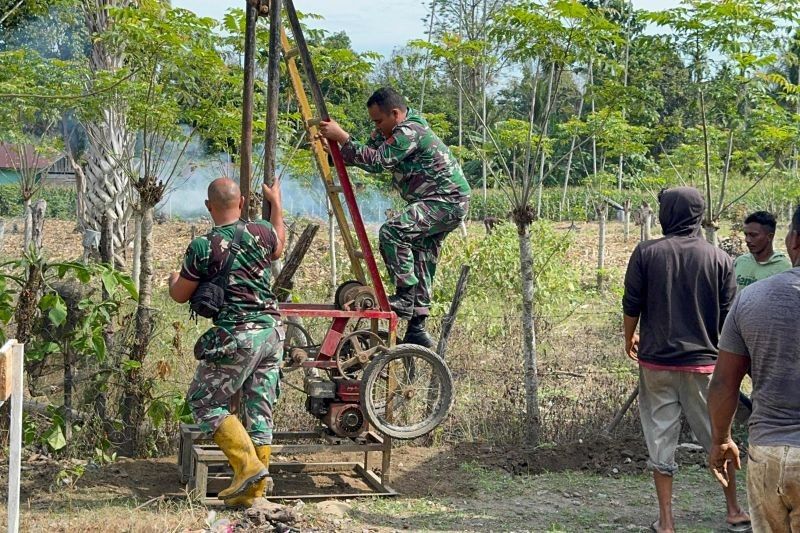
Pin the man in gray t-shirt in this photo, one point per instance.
(762, 333)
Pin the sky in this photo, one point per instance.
(372, 25)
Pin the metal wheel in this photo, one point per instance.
(406, 391)
(356, 350)
(342, 290)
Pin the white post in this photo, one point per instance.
(16, 352)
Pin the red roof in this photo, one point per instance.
(18, 157)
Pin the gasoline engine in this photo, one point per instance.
(336, 403)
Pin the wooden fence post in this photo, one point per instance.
(11, 360)
(602, 213)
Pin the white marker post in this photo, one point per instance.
(11, 370)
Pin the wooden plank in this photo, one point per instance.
(189, 435)
(283, 282)
(213, 482)
(200, 480)
(374, 481)
(15, 437)
(208, 454)
(6, 371)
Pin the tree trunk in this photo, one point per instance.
(68, 379)
(136, 271)
(544, 133)
(624, 84)
(80, 193)
(594, 138)
(460, 99)
(626, 218)
(569, 159)
(528, 334)
(99, 383)
(602, 213)
(711, 234)
(28, 232)
(37, 213)
(539, 190)
(132, 408)
(108, 188)
(708, 221)
(648, 220)
(484, 77)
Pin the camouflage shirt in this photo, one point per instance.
(421, 164)
(249, 298)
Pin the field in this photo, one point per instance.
(475, 476)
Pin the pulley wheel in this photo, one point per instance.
(340, 298)
(356, 350)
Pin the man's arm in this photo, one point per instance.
(180, 288)
(723, 397)
(273, 196)
(631, 338)
(632, 303)
(372, 158)
(332, 131)
(387, 155)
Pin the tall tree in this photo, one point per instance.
(728, 45)
(108, 188)
(564, 33)
(178, 90)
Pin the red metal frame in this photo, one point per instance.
(358, 225)
(340, 318)
(336, 331)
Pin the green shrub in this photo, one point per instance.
(60, 201)
(495, 288)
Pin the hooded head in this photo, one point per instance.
(681, 211)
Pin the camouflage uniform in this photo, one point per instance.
(430, 179)
(244, 348)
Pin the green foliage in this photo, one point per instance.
(494, 262)
(60, 201)
(72, 317)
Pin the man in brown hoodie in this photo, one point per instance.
(679, 289)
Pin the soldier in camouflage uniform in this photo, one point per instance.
(430, 179)
(243, 349)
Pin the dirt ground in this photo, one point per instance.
(597, 486)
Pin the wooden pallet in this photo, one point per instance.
(207, 470)
(190, 435)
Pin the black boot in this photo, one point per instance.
(402, 302)
(416, 334)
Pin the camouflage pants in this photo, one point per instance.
(239, 358)
(411, 241)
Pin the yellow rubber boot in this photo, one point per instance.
(256, 490)
(234, 441)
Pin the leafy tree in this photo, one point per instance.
(563, 32)
(175, 92)
(729, 44)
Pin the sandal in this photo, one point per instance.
(745, 526)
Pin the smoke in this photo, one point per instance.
(301, 197)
